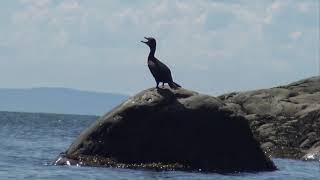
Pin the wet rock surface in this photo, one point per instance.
(284, 119)
(166, 129)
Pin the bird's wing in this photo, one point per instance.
(164, 70)
(153, 69)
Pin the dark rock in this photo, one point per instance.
(289, 114)
(168, 129)
(305, 144)
(316, 144)
(267, 146)
(266, 130)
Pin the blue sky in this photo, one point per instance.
(211, 46)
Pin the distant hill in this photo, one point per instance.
(58, 100)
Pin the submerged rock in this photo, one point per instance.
(168, 129)
(288, 117)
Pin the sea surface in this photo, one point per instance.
(29, 142)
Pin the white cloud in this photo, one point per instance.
(69, 6)
(268, 19)
(61, 39)
(272, 9)
(295, 35)
(303, 7)
(38, 3)
(275, 6)
(31, 15)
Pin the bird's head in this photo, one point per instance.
(151, 42)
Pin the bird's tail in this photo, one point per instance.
(174, 85)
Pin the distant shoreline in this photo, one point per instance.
(58, 101)
(45, 113)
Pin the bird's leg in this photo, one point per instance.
(157, 84)
(162, 84)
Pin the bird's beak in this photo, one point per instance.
(145, 41)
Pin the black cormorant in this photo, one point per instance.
(160, 71)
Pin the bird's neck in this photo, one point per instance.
(152, 52)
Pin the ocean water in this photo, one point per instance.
(29, 142)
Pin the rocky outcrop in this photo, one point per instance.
(168, 129)
(285, 119)
(313, 154)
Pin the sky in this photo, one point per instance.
(213, 47)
